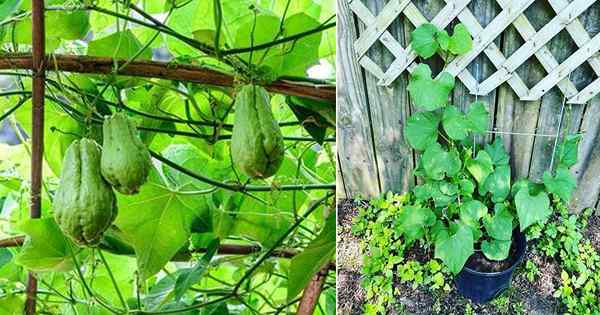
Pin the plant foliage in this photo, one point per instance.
(200, 236)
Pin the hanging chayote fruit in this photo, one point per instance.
(257, 143)
(84, 204)
(125, 159)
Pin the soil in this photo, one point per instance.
(523, 297)
(593, 231)
(480, 263)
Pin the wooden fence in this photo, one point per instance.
(536, 63)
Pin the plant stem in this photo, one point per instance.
(112, 279)
(240, 187)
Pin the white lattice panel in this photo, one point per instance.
(511, 13)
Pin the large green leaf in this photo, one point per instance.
(495, 249)
(421, 130)
(567, 151)
(157, 222)
(455, 249)
(498, 183)
(46, 248)
(460, 42)
(311, 259)
(497, 152)
(7, 8)
(122, 45)
(455, 124)
(499, 226)
(562, 184)
(470, 212)
(480, 167)
(478, 117)
(66, 25)
(12, 303)
(60, 129)
(531, 209)
(190, 276)
(412, 222)
(438, 163)
(428, 93)
(293, 58)
(423, 41)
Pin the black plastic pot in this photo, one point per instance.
(481, 287)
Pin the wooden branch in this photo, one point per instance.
(224, 249)
(310, 296)
(169, 71)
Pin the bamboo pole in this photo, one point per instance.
(37, 134)
(168, 71)
(310, 296)
(224, 249)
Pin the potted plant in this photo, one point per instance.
(465, 204)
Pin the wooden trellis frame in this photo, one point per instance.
(566, 18)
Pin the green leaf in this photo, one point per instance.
(498, 183)
(567, 151)
(311, 259)
(455, 249)
(68, 25)
(412, 221)
(470, 212)
(46, 248)
(5, 256)
(499, 226)
(443, 193)
(443, 39)
(422, 40)
(12, 304)
(427, 93)
(460, 42)
(423, 192)
(123, 45)
(562, 184)
(315, 116)
(455, 124)
(480, 167)
(478, 117)
(157, 222)
(190, 276)
(421, 130)
(467, 187)
(495, 249)
(437, 163)
(531, 209)
(497, 152)
(7, 8)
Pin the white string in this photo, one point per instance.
(560, 121)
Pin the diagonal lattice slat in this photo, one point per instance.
(558, 74)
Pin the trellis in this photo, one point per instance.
(483, 37)
(39, 63)
(535, 65)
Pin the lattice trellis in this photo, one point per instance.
(511, 13)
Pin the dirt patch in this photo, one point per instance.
(593, 231)
(350, 293)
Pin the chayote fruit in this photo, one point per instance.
(256, 143)
(84, 204)
(125, 159)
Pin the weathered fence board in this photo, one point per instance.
(537, 62)
(357, 164)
